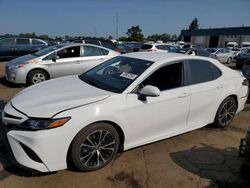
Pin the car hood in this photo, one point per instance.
(48, 98)
(23, 59)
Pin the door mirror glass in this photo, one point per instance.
(149, 91)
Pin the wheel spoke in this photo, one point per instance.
(90, 153)
(86, 145)
(108, 144)
(98, 157)
(100, 137)
(103, 160)
(111, 149)
(88, 139)
(86, 162)
(104, 137)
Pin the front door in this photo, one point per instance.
(166, 114)
(68, 62)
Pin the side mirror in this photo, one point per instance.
(148, 91)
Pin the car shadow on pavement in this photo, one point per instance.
(5, 83)
(220, 164)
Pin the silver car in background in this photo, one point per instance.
(56, 61)
(223, 55)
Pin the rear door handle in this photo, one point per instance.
(185, 94)
(78, 62)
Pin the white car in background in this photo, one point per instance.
(56, 61)
(224, 55)
(159, 47)
(125, 102)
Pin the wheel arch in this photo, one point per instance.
(42, 69)
(115, 125)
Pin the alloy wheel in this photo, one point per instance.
(97, 148)
(38, 77)
(227, 112)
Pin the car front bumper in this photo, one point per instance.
(43, 150)
(14, 75)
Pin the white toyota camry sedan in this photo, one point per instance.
(128, 101)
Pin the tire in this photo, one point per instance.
(88, 147)
(226, 112)
(229, 60)
(37, 76)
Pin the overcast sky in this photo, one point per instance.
(98, 17)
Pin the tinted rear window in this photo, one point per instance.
(22, 41)
(109, 45)
(95, 42)
(201, 71)
(146, 46)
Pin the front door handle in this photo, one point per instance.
(184, 94)
(78, 62)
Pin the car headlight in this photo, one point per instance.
(17, 66)
(39, 124)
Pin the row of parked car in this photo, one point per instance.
(44, 62)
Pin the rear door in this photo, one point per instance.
(23, 46)
(207, 88)
(220, 55)
(92, 56)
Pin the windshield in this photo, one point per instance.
(47, 50)
(116, 74)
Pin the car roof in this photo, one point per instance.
(81, 44)
(154, 56)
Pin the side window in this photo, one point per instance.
(105, 52)
(7, 42)
(109, 45)
(95, 42)
(216, 71)
(203, 53)
(49, 57)
(92, 51)
(167, 77)
(22, 41)
(219, 51)
(160, 47)
(200, 71)
(37, 42)
(69, 52)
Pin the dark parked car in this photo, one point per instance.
(13, 47)
(242, 58)
(246, 72)
(100, 42)
(194, 51)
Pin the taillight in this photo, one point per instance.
(118, 50)
(245, 82)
